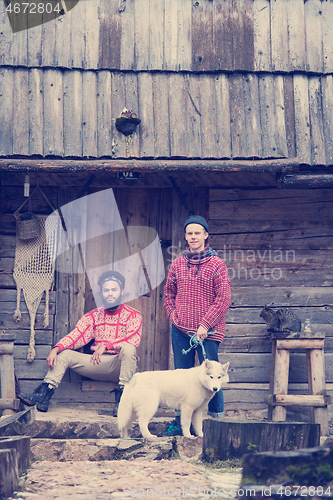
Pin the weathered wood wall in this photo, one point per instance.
(72, 295)
(179, 35)
(72, 113)
(277, 245)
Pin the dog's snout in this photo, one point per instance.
(215, 389)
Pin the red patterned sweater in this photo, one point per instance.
(110, 328)
(197, 292)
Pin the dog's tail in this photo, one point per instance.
(125, 410)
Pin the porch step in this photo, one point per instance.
(63, 450)
(61, 423)
(64, 434)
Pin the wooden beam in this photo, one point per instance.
(63, 165)
(280, 380)
(298, 400)
(9, 404)
(302, 343)
(297, 181)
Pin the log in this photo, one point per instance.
(306, 181)
(62, 165)
(302, 468)
(9, 479)
(19, 423)
(225, 439)
(21, 444)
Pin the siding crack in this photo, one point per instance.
(187, 86)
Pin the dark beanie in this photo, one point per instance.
(196, 219)
(111, 276)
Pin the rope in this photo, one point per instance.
(194, 343)
(17, 313)
(31, 350)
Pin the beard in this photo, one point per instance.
(112, 305)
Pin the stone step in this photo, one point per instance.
(85, 427)
(54, 450)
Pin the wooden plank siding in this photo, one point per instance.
(277, 247)
(276, 243)
(72, 113)
(71, 296)
(179, 35)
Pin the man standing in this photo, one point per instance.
(197, 297)
(116, 331)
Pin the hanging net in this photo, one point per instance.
(34, 270)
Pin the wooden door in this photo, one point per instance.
(150, 209)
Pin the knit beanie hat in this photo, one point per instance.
(112, 276)
(196, 219)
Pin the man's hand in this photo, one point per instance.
(201, 333)
(51, 360)
(96, 357)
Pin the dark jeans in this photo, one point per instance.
(181, 341)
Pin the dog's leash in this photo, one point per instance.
(194, 342)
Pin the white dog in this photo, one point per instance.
(186, 389)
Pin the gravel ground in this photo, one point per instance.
(86, 480)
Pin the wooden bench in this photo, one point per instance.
(317, 399)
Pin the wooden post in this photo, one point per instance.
(7, 377)
(281, 376)
(9, 478)
(21, 445)
(271, 379)
(316, 374)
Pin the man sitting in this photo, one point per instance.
(116, 331)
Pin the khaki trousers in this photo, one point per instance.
(118, 368)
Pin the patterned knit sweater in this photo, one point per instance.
(197, 292)
(110, 328)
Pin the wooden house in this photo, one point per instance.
(235, 99)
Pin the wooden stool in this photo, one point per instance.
(278, 388)
(8, 401)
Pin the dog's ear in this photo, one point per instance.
(226, 366)
(208, 364)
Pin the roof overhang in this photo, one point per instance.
(160, 165)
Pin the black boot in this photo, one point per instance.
(118, 393)
(40, 397)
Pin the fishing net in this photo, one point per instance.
(34, 266)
